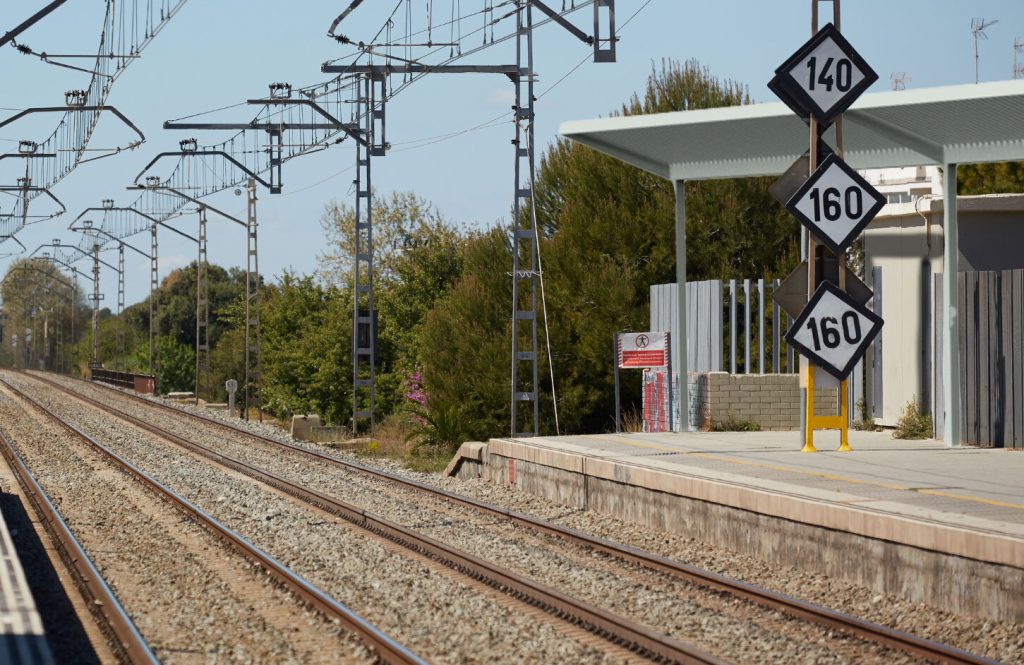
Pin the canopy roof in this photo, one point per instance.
(947, 125)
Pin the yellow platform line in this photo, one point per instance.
(813, 474)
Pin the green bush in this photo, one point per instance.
(913, 424)
(732, 424)
(444, 428)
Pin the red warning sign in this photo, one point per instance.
(644, 349)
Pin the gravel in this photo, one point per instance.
(441, 619)
(1000, 641)
(735, 630)
(191, 599)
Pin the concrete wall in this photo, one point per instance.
(770, 400)
(960, 584)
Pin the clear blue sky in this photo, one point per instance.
(216, 53)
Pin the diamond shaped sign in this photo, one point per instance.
(833, 330)
(824, 77)
(836, 203)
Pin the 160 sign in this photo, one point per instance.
(829, 329)
(835, 203)
(834, 330)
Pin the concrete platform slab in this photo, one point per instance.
(21, 628)
(939, 511)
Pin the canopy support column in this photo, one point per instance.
(950, 315)
(679, 338)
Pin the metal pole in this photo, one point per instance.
(747, 337)
(680, 332)
(364, 348)
(202, 312)
(760, 326)
(95, 306)
(154, 284)
(252, 309)
(524, 231)
(732, 326)
(618, 406)
(776, 333)
(950, 335)
(120, 305)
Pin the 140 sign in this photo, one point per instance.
(834, 330)
(823, 77)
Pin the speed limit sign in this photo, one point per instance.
(824, 77)
(833, 330)
(836, 203)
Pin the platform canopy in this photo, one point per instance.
(942, 126)
(947, 125)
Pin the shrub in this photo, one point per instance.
(444, 427)
(913, 424)
(731, 424)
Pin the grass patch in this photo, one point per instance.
(396, 438)
(913, 424)
(732, 424)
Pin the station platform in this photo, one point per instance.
(934, 524)
(22, 640)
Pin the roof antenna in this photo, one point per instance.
(978, 26)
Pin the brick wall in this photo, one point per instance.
(770, 400)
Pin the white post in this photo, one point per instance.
(680, 336)
(950, 336)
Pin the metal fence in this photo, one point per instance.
(991, 327)
(732, 326)
(735, 326)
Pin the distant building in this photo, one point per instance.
(903, 249)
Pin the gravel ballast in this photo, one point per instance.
(190, 598)
(1000, 641)
(732, 630)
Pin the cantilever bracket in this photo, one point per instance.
(201, 153)
(24, 197)
(170, 191)
(65, 109)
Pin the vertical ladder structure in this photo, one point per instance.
(524, 238)
(253, 368)
(154, 283)
(202, 312)
(370, 113)
(525, 256)
(120, 305)
(95, 306)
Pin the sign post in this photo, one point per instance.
(819, 82)
(231, 385)
(642, 350)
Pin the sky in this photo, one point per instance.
(217, 53)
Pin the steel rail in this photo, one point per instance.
(640, 639)
(385, 647)
(906, 642)
(122, 634)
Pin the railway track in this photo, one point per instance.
(909, 644)
(641, 640)
(128, 640)
(122, 634)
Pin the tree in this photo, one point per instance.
(417, 258)
(996, 178)
(307, 349)
(398, 222)
(607, 235)
(42, 306)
